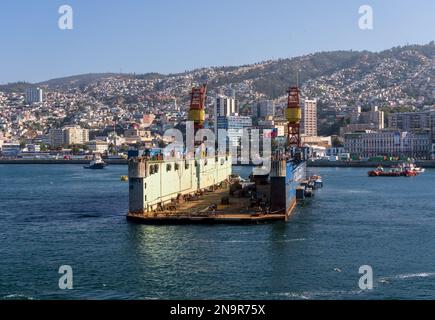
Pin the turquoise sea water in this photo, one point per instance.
(57, 215)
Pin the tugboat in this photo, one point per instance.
(96, 163)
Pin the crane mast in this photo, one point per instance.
(293, 115)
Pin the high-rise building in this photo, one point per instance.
(34, 95)
(310, 118)
(234, 126)
(265, 109)
(224, 107)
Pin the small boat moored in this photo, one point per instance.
(306, 188)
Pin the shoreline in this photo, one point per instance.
(59, 161)
(315, 163)
(366, 164)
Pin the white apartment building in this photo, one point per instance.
(224, 107)
(389, 143)
(34, 95)
(75, 135)
(68, 135)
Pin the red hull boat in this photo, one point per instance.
(380, 173)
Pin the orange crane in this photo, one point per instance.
(196, 114)
(197, 106)
(293, 114)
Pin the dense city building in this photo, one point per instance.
(68, 135)
(109, 105)
(55, 138)
(224, 107)
(98, 146)
(234, 126)
(355, 127)
(265, 109)
(412, 121)
(10, 149)
(373, 119)
(371, 116)
(34, 95)
(75, 135)
(390, 143)
(309, 118)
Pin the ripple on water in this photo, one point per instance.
(79, 220)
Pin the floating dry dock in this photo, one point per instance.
(209, 209)
(189, 191)
(196, 186)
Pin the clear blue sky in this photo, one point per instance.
(176, 35)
